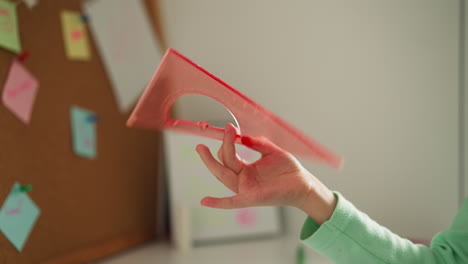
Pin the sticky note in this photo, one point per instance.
(75, 36)
(83, 132)
(9, 36)
(18, 216)
(19, 92)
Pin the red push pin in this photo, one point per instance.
(23, 56)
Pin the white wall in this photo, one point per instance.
(374, 80)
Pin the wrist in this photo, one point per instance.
(319, 203)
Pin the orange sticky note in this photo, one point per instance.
(75, 36)
(20, 91)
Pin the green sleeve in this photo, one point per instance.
(350, 236)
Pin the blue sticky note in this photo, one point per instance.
(83, 132)
(18, 216)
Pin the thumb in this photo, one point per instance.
(260, 144)
(233, 202)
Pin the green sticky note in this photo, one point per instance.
(83, 125)
(18, 216)
(9, 36)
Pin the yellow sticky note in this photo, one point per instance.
(75, 36)
(9, 37)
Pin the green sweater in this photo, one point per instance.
(350, 236)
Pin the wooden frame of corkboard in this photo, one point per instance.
(90, 209)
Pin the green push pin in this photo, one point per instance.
(300, 255)
(25, 188)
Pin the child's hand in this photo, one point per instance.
(276, 179)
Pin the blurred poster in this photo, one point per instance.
(127, 44)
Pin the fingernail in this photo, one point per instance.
(205, 202)
(198, 148)
(246, 141)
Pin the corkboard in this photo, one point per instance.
(89, 208)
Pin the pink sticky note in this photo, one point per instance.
(20, 91)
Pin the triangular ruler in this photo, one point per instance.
(177, 76)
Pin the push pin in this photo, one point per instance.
(23, 56)
(92, 118)
(300, 255)
(25, 188)
(84, 19)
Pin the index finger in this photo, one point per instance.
(223, 174)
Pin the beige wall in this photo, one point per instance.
(377, 81)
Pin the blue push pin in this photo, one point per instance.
(92, 118)
(84, 18)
